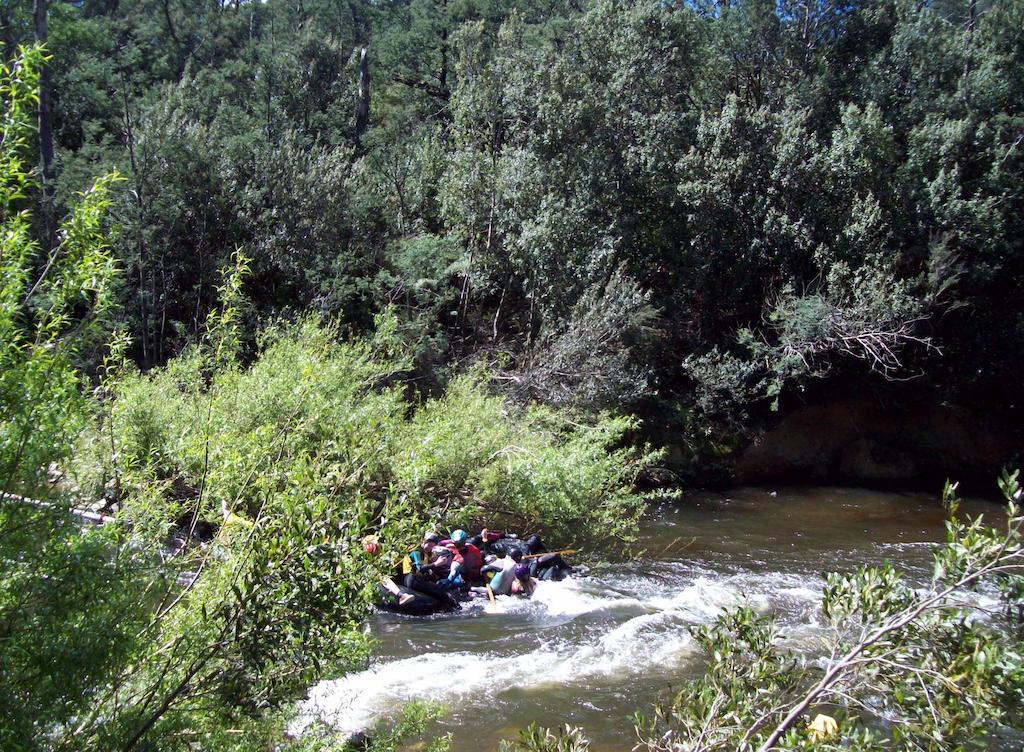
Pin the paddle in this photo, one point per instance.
(493, 607)
(565, 551)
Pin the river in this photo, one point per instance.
(593, 650)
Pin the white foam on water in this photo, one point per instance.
(569, 598)
(352, 703)
(703, 599)
(651, 641)
(801, 594)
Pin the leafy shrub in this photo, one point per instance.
(596, 360)
(536, 739)
(389, 735)
(470, 455)
(46, 318)
(315, 417)
(69, 619)
(68, 596)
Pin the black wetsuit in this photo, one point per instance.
(421, 585)
(413, 580)
(549, 566)
(508, 545)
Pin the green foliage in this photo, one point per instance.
(49, 302)
(864, 317)
(726, 383)
(594, 361)
(67, 596)
(70, 616)
(309, 419)
(278, 454)
(292, 459)
(413, 721)
(782, 196)
(746, 674)
(466, 454)
(802, 174)
(535, 739)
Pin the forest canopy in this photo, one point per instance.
(668, 207)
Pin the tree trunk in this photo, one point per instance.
(140, 207)
(166, 5)
(7, 33)
(45, 130)
(269, 71)
(363, 105)
(972, 17)
(442, 76)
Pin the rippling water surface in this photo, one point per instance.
(592, 650)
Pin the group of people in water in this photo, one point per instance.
(444, 570)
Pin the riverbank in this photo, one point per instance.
(898, 439)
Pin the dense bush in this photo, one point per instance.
(186, 443)
(66, 600)
(72, 605)
(470, 455)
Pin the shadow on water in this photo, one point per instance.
(594, 650)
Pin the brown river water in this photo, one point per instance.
(593, 650)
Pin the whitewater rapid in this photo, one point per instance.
(594, 650)
(571, 633)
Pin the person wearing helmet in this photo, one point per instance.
(523, 583)
(546, 566)
(408, 590)
(421, 560)
(504, 568)
(437, 560)
(442, 565)
(417, 560)
(468, 556)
